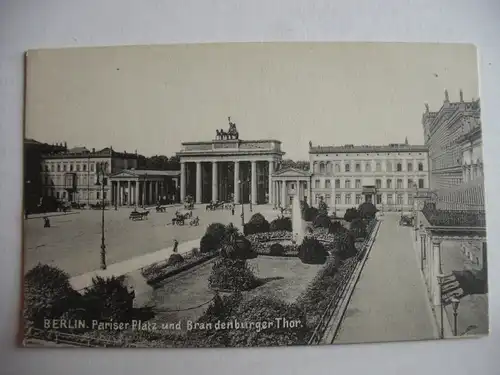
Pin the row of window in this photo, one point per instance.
(390, 199)
(60, 180)
(65, 195)
(378, 184)
(327, 167)
(77, 167)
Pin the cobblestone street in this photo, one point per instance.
(73, 241)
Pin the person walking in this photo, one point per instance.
(176, 244)
(232, 209)
(46, 222)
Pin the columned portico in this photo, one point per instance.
(291, 182)
(229, 169)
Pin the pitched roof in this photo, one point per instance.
(292, 172)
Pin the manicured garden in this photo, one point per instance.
(258, 275)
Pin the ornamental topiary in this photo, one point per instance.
(351, 214)
(322, 221)
(258, 224)
(232, 275)
(277, 250)
(311, 251)
(281, 223)
(48, 294)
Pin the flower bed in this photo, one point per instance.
(162, 270)
(264, 248)
(280, 235)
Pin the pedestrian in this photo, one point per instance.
(232, 209)
(46, 222)
(176, 243)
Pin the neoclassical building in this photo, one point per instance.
(387, 175)
(228, 168)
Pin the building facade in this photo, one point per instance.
(388, 176)
(72, 175)
(229, 169)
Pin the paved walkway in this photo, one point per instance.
(389, 302)
(121, 268)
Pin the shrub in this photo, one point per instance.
(231, 274)
(241, 248)
(195, 252)
(268, 309)
(311, 251)
(175, 259)
(322, 221)
(351, 214)
(109, 299)
(277, 250)
(281, 223)
(310, 214)
(209, 243)
(336, 227)
(367, 210)
(345, 245)
(48, 294)
(358, 228)
(217, 230)
(256, 224)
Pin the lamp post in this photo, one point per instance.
(455, 302)
(440, 278)
(101, 173)
(240, 182)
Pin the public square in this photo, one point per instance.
(73, 242)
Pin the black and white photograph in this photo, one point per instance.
(253, 195)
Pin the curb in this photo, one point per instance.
(338, 316)
(41, 216)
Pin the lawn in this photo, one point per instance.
(285, 278)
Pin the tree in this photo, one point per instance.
(256, 224)
(311, 251)
(281, 223)
(351, 214)
(48, 294)
(344, 243)
(367, 210)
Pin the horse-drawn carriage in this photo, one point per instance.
(189, 202)
(406, 221)
(161, 208)
(138, 215)
(217, 205)
(180, 219)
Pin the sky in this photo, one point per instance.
(153, 98)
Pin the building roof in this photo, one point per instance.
(146, 172)
(83, 152)
(394, 147)
(291, 172)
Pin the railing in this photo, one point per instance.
(339, 294)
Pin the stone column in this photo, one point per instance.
(198, 182)
(298, 190)
(283, 194)
(183, 182)
(136, 191)
(271, 171)
(214, 181)
(150, 198)
(119, 189)
(237, 182)
(129, 193)
(254, 182)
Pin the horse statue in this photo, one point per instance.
(232, 133)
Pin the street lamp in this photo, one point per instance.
(454, 303)
(440, 278)
(101, 173)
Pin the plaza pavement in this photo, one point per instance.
(73, 242)
(389, 302)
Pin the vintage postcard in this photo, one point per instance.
(253, 194)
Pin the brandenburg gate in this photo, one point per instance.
(229, 169)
